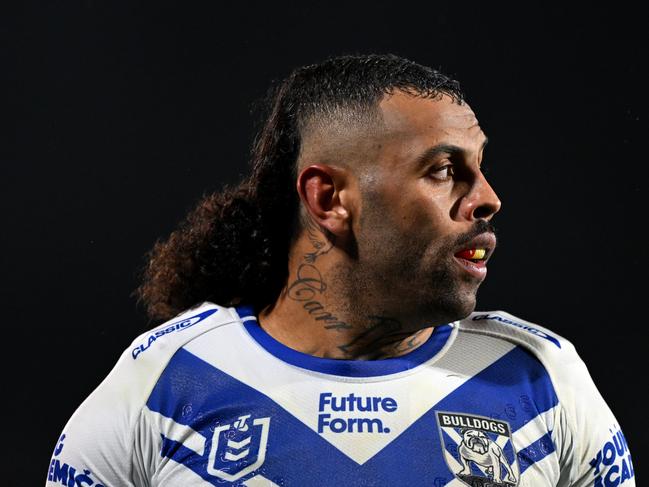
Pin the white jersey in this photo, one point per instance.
(210, 399)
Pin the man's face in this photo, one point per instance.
(425, 204)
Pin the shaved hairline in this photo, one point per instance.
(339, 135)
(331, 135)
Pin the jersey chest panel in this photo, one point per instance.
(492, 427)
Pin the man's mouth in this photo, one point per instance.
(473, 255)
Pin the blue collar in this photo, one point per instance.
(348, 368)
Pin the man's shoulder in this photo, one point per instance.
(144, 361)
(544, 343)
(556, 354)
(164, 340)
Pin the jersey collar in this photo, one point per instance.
(348, 368)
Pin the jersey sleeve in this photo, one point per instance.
(592, 446)
(99, 441)
(106, 442)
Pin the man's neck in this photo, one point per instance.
(316, 314)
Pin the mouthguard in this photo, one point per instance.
(472, 254)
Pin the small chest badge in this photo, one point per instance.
(238, 448)
(478, 450)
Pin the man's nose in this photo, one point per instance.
(481, 201)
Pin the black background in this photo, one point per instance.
(127, 113)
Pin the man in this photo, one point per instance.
(320, 318)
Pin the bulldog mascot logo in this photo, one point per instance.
(478, 450)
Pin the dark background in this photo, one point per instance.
(125, 114)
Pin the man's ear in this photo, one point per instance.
(323, 191)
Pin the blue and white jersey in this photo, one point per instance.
(210, 399)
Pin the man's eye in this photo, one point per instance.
(443, 173)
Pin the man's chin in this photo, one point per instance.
(461, 310)
(449, 308)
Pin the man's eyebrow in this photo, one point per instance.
(438, 149)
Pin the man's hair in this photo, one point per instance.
(233, 247)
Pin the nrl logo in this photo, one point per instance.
(238, 448)
(478, 450)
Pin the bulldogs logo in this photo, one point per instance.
(478, 450)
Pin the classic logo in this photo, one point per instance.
(238, 448)
(478, 450)
(528, 328)
(171, 328)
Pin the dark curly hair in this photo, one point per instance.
(233, 247)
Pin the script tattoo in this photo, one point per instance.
(382, 337)
(309, 284)
(306, 289)
(381, 332)
(404, 346)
